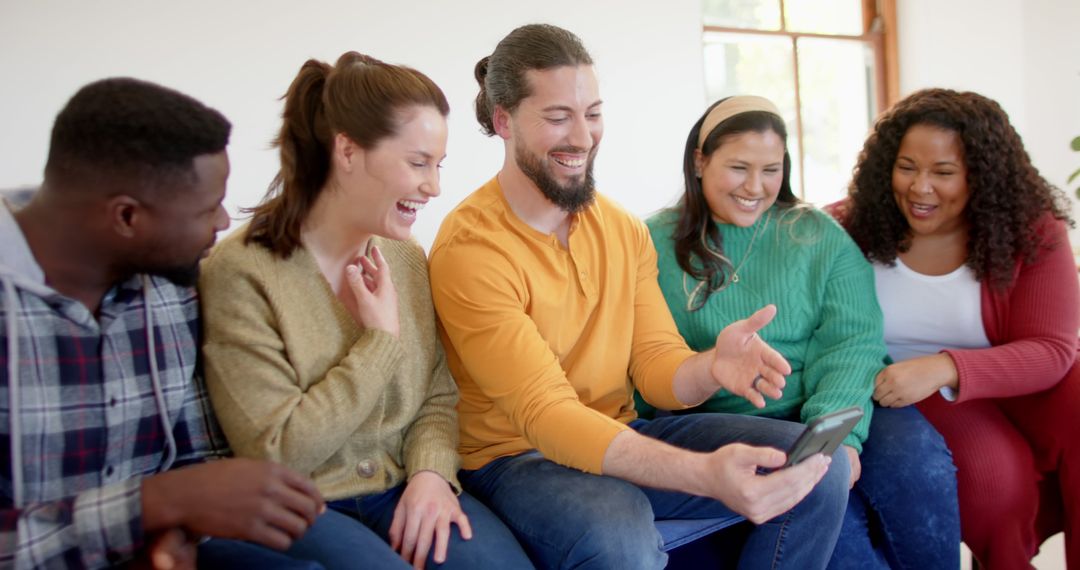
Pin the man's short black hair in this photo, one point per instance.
(129, 130)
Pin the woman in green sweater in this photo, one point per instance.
(739, 239)
(321, 349)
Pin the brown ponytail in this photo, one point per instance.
(483, 106)
(359, 96)
(502, 74)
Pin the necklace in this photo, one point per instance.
(691, 295)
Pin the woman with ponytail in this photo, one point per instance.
(321, 349)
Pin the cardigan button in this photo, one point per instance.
(366, 468)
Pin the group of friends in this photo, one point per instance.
(556, 375)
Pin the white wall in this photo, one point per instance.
(240, 55)
(1023, 53)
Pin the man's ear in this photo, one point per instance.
(500, 119)
(347, 153)
(126, 214)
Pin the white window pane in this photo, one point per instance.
(824, 16)
(745, 64)
(755, 14)
(836, 81)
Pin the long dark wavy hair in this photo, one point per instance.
(699, 247)
(1007, 194)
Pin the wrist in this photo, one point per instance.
(159, 510)
(427, 474)
(694, 381)
(950, 373)
(692, 473)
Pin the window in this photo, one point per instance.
(829, 65)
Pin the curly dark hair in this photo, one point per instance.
(128, 130)
(1008, 196)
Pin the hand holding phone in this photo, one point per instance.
(824, 434)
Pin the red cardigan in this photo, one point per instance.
(1032, 326)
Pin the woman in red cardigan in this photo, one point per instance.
(979, 288)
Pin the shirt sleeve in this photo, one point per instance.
(846, 350)
(1037, 321)
(197, 433)
(94, 529)
(431, 439)
(483, 313)
(658, 348)
(255, 390)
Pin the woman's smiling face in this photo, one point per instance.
(742, 177)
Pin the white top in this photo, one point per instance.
(925, 314)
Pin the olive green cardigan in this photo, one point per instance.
(294, 379)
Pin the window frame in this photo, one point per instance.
(879, 33)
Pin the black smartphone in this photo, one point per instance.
(824, 434)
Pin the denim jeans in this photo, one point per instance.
(354, 533)
(224, 554)
(903, 512)
(569, 519)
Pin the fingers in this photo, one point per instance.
(270, 536)
(760, 318)
(307, 488)
(464, 527)
(429, 527)
(167, 551)
(294, 511)
(770, 384)
(753, 396)
(295, 506)
(376, 268)
(774, 362)
(287, 521)
(782, 490)
(761, 456)
(856, 465)
(358, 281)
(880, 378)
(410, 536)
(887, 394)
(397, 527)
(442, 540)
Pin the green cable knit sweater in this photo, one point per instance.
(828, 324)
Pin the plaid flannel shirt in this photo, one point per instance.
(91, 427)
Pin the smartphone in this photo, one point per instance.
(824, 434)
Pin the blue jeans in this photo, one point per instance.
(224, 554)
(569, 519)
(903, 511)
(354, 533)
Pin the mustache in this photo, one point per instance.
(574, 150)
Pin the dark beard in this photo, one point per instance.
(180, 276)
(570, 199)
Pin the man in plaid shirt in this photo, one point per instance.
(104, 420)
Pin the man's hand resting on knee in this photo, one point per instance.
(245, 499)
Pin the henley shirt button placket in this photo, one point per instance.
(366, 469)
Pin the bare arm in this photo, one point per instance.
(728, 474)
